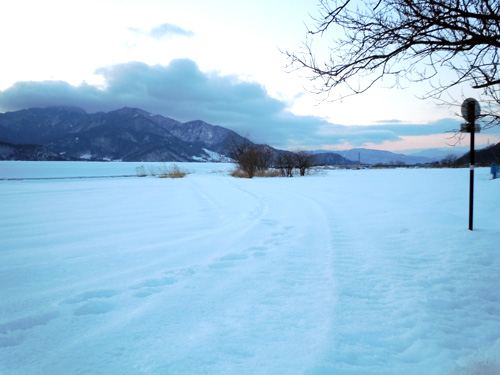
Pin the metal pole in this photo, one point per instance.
(470, 111)
(472, 128)
(471, 189)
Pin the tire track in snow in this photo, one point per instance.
(235, 214)
(293, 238)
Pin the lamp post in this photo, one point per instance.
(470, 112)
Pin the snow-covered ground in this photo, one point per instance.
(342, 272)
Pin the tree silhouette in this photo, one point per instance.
(251, 158)
(411, 39)
(286, 162)
(304, 161)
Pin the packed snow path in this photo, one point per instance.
(349, 272)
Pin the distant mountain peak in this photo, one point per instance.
(66, 108)
(127, 111)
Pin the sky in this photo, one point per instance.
(220, 61)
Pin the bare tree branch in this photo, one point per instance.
(404, 39)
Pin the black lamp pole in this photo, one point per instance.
(470, 111)
(472, 126)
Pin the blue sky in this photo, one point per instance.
(218, 61)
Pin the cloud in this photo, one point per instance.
(438, 127)
(394, 121)
(163, 31)
(48, 93)
(357, 135)
(180, 90)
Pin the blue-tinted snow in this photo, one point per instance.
(342, 272)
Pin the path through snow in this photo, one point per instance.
(347, 272)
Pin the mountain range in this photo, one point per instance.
(131, 134)
(127, 134)
(367, 156)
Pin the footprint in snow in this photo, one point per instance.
(230, 257)
(156, 283)
(228, 260)
(11, 340)
(93, 302)
(278, 234)
(257, 248)
(94, 308)
(27, 323)
(153, 286)
(146, 293)
(270, 223)
(12, 333)
(92, 294)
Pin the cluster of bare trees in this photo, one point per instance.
(257, 159)
(416, 40)
(287, 162)
(250, 158)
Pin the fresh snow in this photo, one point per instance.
(340, 272)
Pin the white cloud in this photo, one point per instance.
(163, 31)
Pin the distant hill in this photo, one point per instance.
(367, 156)
(483, 157)
(331, 158)
(10, 151)
(437, 154)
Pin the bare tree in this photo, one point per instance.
(303, 160)
(251, 158)
(286, 162)
(244, 156)
(265, 158)
(411, 39)
(279, 163)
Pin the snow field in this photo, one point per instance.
(343, 272)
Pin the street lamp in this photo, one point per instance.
(470, 112)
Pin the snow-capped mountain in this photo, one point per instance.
(127, 134)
